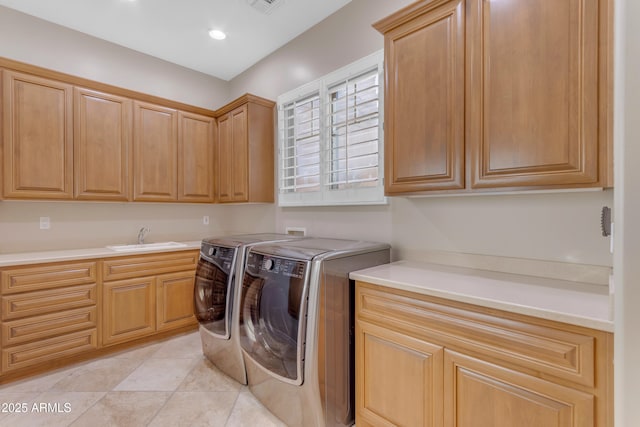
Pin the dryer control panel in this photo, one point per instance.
(276, 265)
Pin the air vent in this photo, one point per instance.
(265, 6)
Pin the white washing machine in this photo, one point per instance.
(297, 327)
(216, 300)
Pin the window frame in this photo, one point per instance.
(326, 196)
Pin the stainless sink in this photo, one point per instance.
(146, 246)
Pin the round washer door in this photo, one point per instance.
(272, 315)
(213, 291)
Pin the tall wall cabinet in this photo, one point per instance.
(38, 137)
(245, 151)
(102, 158)
(498, 94)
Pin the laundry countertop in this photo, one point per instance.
(21, 258)
(564, 301)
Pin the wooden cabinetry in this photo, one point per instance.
(128, 309)
(55, 313)
(48, 312)
(155, 148)
(196, 160)
(146, 294)
(66, 137)
(492, 94)
(174, 300)
(424, 361)
(38, 137)
(102, 135)
(245, 160)
(424, 101)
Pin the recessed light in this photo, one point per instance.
(217, 35)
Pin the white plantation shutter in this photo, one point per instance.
(330, 138)
(300, 151)
(352, 153)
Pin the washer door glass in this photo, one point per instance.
(272, 315)
(213, 291)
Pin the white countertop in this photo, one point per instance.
(559, 300)
(22, 258)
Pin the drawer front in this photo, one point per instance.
(39, 277)
(46, 350)
(49, 325)
(149, 265)
(548, 350)
(43, 302)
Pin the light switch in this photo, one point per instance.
(45, 223)
(205, 220)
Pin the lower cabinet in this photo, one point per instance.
(48, 312)
(53, 312)
(129, 310)
(480, 393)
(423, 361)
(174, 300)
(136, 307)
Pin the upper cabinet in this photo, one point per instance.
(196, 136)
(102, 133)
(487, 94)
(69, 138)
(245, 158)
(38, 137)
(155, 149)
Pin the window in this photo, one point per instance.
(330, 138)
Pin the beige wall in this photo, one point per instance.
(559, 227)
(34, 41)
(78, 225)
(547, 226)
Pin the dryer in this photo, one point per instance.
(216, 301)
(297, 327)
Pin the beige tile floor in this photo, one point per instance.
(168, 383)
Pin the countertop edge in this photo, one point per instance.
(28, 258)
(477, 298)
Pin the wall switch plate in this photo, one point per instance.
(45, 223)
(205, 220)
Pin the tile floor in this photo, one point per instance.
(168, 383)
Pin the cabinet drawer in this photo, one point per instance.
(43, 302)
(46, 350)
(149, 265)
(49, 325)
(33, 278)
(566, 354)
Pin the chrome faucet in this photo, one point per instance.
(143, 232)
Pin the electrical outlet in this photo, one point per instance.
(205, 220)
(45, 223)
(296, 231)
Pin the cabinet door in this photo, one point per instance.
(424, 101)
(155, 143)
(102, 134)
(174, 296)
(481, 394)
(129, 309)
(195, 158)
(532, 104)
(233, 156)
(38, 138)
(398, 379)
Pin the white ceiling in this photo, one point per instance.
(177, 30)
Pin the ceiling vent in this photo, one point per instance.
(265, 6)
